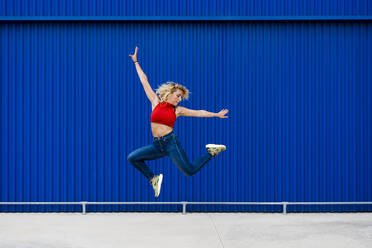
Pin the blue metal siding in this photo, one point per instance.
(299, 127)
(185, 8)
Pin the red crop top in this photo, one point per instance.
(164, 113)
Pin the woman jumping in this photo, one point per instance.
(165, 142)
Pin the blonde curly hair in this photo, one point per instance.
(168, 88)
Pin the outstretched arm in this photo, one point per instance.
(143, 78)
(182, 111)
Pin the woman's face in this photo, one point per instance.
(175, 97)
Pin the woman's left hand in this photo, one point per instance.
(222, 113)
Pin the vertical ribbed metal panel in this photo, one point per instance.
(299, 94)
(185, 8)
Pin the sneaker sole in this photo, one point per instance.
(159, 183)
(215, 146)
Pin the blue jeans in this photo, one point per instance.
(167, 145)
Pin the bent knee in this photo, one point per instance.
(188, 173)
(131, 157)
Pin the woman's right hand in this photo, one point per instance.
(134, 56)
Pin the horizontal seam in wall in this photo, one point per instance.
(186, 18)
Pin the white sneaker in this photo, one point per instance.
(215, 149)
(156, 184)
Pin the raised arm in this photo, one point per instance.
(143, 78)
(182, 111)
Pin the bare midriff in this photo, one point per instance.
(158, 129)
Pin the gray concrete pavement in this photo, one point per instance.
(226, 230)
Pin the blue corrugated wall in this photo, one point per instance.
(299, 127)
(184, 8)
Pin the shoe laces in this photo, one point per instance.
(155, 182)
